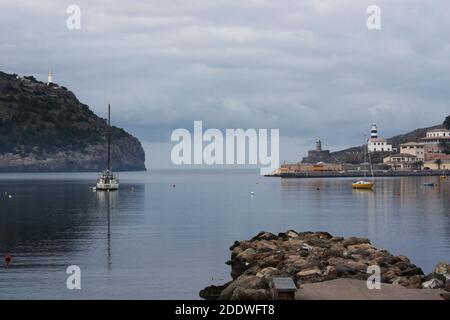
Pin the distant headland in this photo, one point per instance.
(44, 127)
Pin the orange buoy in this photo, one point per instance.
(8, 259)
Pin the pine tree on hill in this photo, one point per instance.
(447, 123)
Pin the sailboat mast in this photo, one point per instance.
(365, 158)
(371, 168)
(109, 137)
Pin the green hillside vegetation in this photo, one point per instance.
(447, 123)
(36, 121)
(46, 128)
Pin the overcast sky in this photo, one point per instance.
(308, 67)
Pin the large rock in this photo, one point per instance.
(270, 272)
(437, 276)
(443, 268)
(264, 236)
(354, 240)
(347, 265)
(250, 294)
(212, 292)
(413, 271)
(433, 284)
(246, 282)
(414, 282)
(247, 254)
(309, 273)
(271, 261)
(295, 265)
(390, 274)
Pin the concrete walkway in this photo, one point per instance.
(351, 289)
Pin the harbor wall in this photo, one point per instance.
(355, 174)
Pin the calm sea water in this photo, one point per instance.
(151, 240)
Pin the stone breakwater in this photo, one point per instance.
(309, 257)
(358, 174)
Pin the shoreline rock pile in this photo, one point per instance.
(309, 257)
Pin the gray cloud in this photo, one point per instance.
(310, 68)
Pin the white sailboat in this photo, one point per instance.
(107, 180)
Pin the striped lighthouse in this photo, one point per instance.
(374, 131)
(376, 144)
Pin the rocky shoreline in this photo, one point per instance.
(308, 257)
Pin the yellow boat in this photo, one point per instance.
(443, 177)
(364, 184)
(361, 184)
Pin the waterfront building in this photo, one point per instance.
(402, 161)
(307, 167)
(377, 144)
(438, 133)
(436, 139)
(444, 164)
(437, 161)
(414, 148)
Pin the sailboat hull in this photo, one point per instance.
(366, 185)
(107, 186)
(107, 181)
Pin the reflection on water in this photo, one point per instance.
(104, 199)
(153, 240)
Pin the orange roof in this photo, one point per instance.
(412, 143)
(403, 155)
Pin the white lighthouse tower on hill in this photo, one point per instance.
(50, 77)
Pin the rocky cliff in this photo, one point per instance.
(45, 128)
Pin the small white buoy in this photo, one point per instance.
(10, 196)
